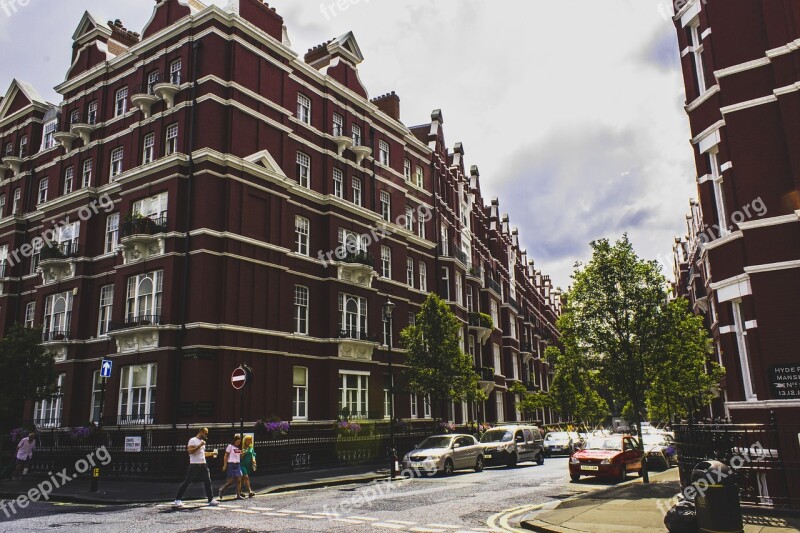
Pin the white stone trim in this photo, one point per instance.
(772, 267)
(742, 67)
(700, 100)
(764, 404)
(732, 288)
(705, 33)
(714, 128)
(749, 103)
(688, 13)
(726, 166)
(726, 329)
(788, 48)
(751, 324)
(772, 221)
(723, 240)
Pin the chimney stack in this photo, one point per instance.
(389, 104)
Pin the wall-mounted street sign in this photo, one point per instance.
(105, 368)
(241, 377)
(133, 444)
(785, 381)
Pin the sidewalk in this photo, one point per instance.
(122, 492)
(632, 507)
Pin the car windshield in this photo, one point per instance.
(557, 436)
(497, 435)
(654, 439)
(604, 444)
(435, 442)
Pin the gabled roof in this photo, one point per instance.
(348, 47)
(88, 27)
(27, 90)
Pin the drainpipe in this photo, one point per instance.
(176, 385)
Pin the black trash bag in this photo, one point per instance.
(682, 518)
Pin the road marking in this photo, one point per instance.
(446, 526)
(263, 508)
(310, 516)
(290, 512)
(347, 521)
(366, 518)
(404, 522)
(209, 508)
(389, 526)
(426, 530)
(245, 511)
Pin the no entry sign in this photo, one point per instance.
(240, 378)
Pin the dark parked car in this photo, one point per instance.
(562, 443)
(660, 450)
(510, 445)
(607, 457)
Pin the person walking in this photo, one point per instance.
(198, 468)
(25, 449)
(232, 466)
(248, 463)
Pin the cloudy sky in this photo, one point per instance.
(571, 109)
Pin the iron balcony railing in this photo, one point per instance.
(513, 303)
(445, 249)
(476, 272)
(359, 257)
(493, 285)
(485, 373)
(526, 347)
(477, 320)
(355, 334)
(65, 250)
(144, 226)
(136, 322)
(145, 88)
(460, 255)
(135, 420)
(55, 335)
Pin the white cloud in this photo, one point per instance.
(558, 99)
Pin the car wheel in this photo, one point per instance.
(575, 477)
(623, 475)
(540, 459)
(479, 464)
(448, 467)
(512, 463)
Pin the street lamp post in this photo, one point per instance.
(388, 309)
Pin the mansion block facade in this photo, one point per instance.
(203, 197)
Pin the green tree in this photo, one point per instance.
(617, 320)
(28, 372)
(574, 389)
(435, 364)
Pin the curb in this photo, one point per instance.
(277, 489)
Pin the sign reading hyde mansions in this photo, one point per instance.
(785, 380)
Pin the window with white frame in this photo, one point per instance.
(412, 319)
(410, 272)
(152, 78)
(696, 43)
(303, 108)
(383, 153)
(470, 300)
(459, 289)
(420, 178)
(407, 169)
(2, 205)
(66, 236)
(35, 256)
(302, 231)
(495, 314)
(421, 227)
(47, 413)
(356, 135)
(23, 146)
(357, 191)
(15, 204)
(414, 402)
(352, 242)
(386, 332)
(175, 72)
(43, 185)
(338, 183)
(501, 410)
(57, 315)
(74, 117)
(498, 364)
(9, 149)
(386, 262)
(512, 327)
(116, 161)
(172, 140)
(515, 366)
(446, 283)
(86, 175)
(719, 191)
(148, 151)
(338, 125)
(91, 113)
(299, 393)
(409, 222)
(353, 394)
(30, 314)
(154, 207)
(445, 242)
(49, 139)
(388, 410)
(301, 310)
(106, 306)
(517, 414)
(427, 406)
(69, 180)
(386, 206)
(423, 277)
(3, 259)
(121, 102)
(137, 394)
(143, 302)
(471, 346)
(353, 312)
(97, 391)
(303, 169)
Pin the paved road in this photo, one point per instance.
(466, 501)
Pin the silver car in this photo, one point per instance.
(445, 453)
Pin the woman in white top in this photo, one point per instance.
(232, 466)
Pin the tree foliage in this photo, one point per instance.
(28, 372)
(574, 389)
(435, 364)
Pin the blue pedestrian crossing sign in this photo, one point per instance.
(105, 368)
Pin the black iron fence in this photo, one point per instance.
(359, 257)
(136, 322)
(493, 285)
(135, 225)
(64, 250)
(161, 454)
(766, 456)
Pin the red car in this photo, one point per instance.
(607, 457)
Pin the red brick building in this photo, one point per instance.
(193, 188)
(740, 264)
